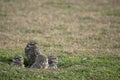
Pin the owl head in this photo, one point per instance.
(32, 45)
(18, 59)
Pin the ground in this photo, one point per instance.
(84, 34)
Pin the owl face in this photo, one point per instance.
(52, 59)
(32, 45)
(17, 59)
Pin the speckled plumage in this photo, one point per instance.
(52, 61)
(41, 61)
(31, 51)
(18, 61)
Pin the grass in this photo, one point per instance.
(113, 13)
(73, 68)
(83, 34)
(60, 5)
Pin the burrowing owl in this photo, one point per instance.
(52, 61)
(31, 51)
(18, 61)
(41, 61)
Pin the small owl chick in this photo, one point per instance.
(18, 61)
(52, 61)
(31, 51)
(41, 61)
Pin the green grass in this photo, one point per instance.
(84, 34)
(83, 67)
(115, 13)
(62, 5)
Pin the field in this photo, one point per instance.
(84, 34)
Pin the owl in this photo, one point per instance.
(41, 62)
(18, 61)
(52, 61)
(31, 51)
